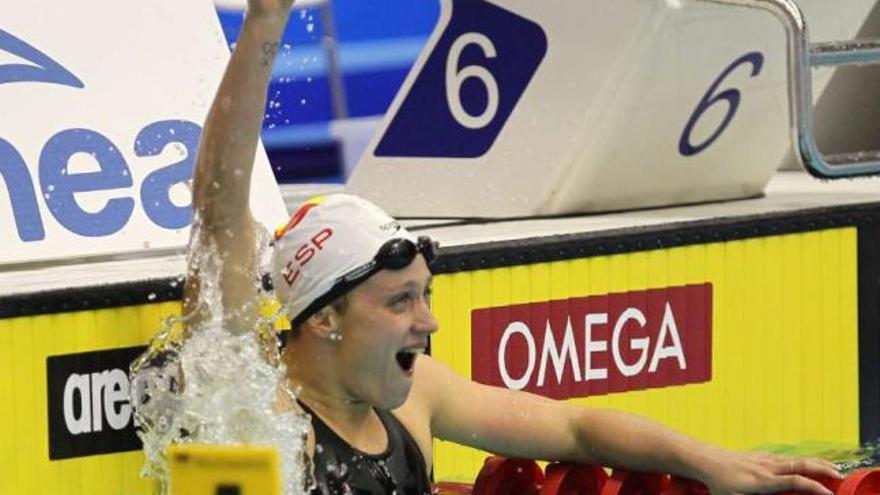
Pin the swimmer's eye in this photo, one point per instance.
(401, 302)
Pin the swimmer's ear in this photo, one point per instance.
(324, 323)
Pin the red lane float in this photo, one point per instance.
(860, 482)
(624, 482)
(501, 476)
(685, 486)
(573, 479)
(449, 488)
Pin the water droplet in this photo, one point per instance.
(151, 296)
(310, 27)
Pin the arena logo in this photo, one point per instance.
(596, 345)
(89, 408)
(101, 396)
(59, 186)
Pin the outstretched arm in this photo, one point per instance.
(519, 424)
(222, 178)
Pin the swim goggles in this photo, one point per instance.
(395, 254)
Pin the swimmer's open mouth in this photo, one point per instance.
(406, 359)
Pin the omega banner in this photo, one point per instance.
(595, 345)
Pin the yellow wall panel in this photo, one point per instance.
(26, 343)
(784, 335)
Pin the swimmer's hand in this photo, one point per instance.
(269, 7)
(735, 473)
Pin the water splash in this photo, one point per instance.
(208, 383)
(847, 459)
(866, 456)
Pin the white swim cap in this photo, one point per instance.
(330, 245)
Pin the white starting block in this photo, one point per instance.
(521, 108)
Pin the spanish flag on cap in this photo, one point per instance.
(298, 216)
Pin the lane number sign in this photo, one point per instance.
(713, 97)
(469, 85)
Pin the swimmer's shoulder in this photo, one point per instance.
(428, 374)
(417, 412)
(433, 381)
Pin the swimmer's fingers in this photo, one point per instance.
(804, 466)
(768, 473)
(796, 483)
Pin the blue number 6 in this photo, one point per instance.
(732, 97)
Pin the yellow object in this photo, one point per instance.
(224, 470)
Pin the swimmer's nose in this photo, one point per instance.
(425, 321)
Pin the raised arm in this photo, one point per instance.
(518, 424)
(222, 177)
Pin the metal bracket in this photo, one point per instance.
(802, 57)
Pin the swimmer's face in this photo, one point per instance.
(385, 327)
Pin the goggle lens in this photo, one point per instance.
(399, 253)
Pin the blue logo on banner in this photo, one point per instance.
(469, 86)
(45, 69)
(56, 186)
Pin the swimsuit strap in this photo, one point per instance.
(342, 469)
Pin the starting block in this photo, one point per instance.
(517, 108)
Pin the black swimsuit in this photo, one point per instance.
(341, 469)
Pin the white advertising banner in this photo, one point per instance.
(102, 107)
